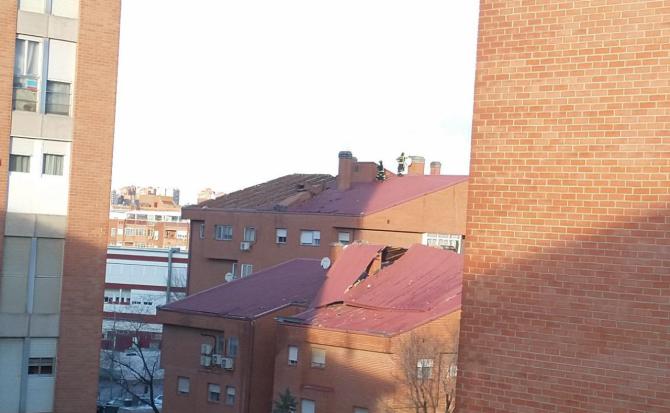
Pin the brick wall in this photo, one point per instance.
(86, 238)
(566, 284)
(7, 40)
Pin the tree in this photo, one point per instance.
(285, 404)
(136, 369)
(428, 373)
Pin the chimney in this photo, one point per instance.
(417, 166)
(345, 170)
(435, 168)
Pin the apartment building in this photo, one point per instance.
(219, 344)
(58, 61)
(381, 335)
(301, 215)
(148, 221)
(566, 288)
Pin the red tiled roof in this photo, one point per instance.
(422, 285)
(292, 282)
(266, 195)
(369, 197)
(351, 263)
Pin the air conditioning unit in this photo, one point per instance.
(217, 359)
(227, 363)
(206, 349)
(205, 361)
(245, 246)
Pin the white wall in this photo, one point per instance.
(41, 388)
(10, 374)
(34, 193)
(144, 273)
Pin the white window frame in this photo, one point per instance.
(246, 270)
(183, 385)
(292, 355)
(344, 237)
(249, 234)
(279, 236)
(307, 406)
(424, 369)
(202, 231)
(221, 233)
(313, 235)
(318, 358)
(230, 393)
(444, 241)
(212, 390)
(233, 342)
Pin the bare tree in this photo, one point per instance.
(136, 369)
(427, 370)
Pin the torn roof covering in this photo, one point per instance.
(361, 199)
(422, 285)
(292, 282)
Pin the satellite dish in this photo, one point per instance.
(325, 263)
(229, 277)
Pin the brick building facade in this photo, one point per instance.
(302, 215)
(55, 172)
(566, 285)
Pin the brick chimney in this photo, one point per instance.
(345, 170)
(435, 168)
(417, 166)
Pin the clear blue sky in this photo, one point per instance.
(226, 94)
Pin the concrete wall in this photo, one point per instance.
(566, 284)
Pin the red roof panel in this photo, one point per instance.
(292, 282)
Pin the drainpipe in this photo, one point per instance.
(169, 274)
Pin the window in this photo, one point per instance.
(19, 163)
(424, 368)
(223, 232)
(250, 234)
(233, 346)
(318, 357)
(307, 406)
(360, 410)
(233, 270)
(53, 164)
(202, 231)
(27, 65)
(444, 241)
(282, 234)
(183, 385)
(292, 355)
(42, 366)
(309, 237)
(230, 395)
(220, 345)
(58, 97)
(343, 237)
(213, 392)
(35, 6)
(246, 270)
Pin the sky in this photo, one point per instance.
(228, 94)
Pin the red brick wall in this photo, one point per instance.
(7, 40)
(566, 284)
(86, 238)
(361, 370)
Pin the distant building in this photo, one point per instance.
(135, 285)
(147, 220)
(301, 215)
(207, 194)
(218, 345)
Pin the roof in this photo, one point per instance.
(422, 285)
(368, 197)
(318, 193)
(266, 195)
(351, 263)
(292, 282)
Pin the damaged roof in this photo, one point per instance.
(422, 285)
